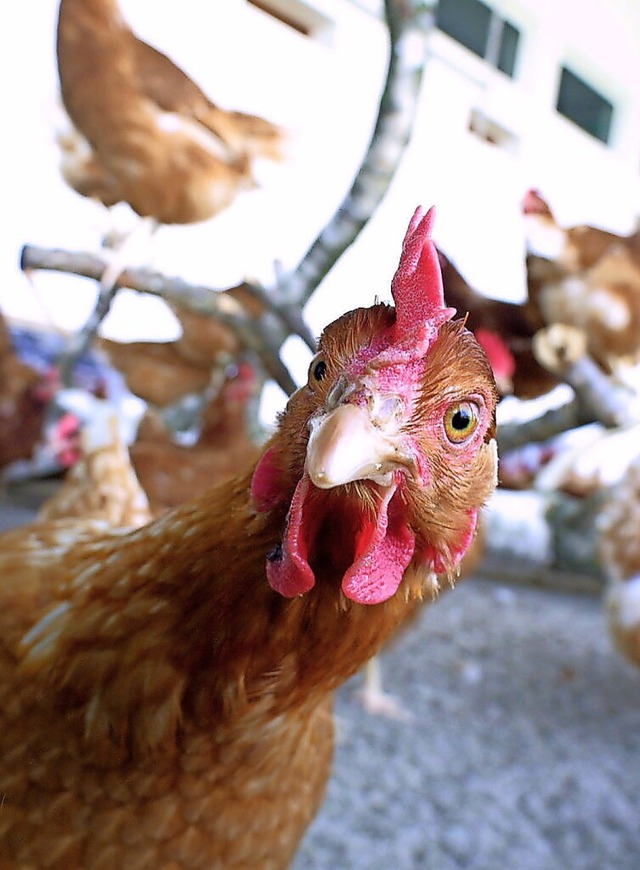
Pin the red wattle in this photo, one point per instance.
(384, 545)
(288, 569)
(383, 555)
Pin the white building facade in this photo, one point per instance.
(515, 95)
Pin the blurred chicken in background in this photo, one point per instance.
(171, 473)
(25, 396)
(587, 278)
(155, 371)
(504, 329)
(144, 132)
(102, 483)
(620, 558)
(205, 340)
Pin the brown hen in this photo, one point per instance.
(587, 278)
(166, 693)
(619, 547)
(205, 340)
(145, 133)
(161, 373)
(25, 395)
(505, 330)
(156, 371)
(102, 484)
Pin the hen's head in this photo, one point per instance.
(389, 448)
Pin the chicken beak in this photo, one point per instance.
(345, 445)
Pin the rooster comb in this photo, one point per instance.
(417, 285)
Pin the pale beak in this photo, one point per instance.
(345, 445)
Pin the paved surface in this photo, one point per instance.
(522, 753)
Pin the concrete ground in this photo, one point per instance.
(522, 751)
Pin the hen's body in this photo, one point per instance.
(163, 372)
(166, 693)
(155, 370)
(587, 278)
(145, 133)
(210, 728)
(619, 548)
(171, 473)
(205, 340)
(510, 326)
(101, 485)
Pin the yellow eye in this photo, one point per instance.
(461, 421)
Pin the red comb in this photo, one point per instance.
(417, 285)
(533, 203)
(497, 350)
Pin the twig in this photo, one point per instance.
(542, 428)
(80, 342)
(107, 290)
(263, 335)
(601, 397)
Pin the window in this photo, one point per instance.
(508, 48)
(476, 26)
(490, 131)
(583, 105)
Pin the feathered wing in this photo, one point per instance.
(173, 91)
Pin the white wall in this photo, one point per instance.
(327, 94)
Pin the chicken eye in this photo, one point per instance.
(461, 421)
(318, 369)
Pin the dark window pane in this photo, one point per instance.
(466, 21)
(584, 106)
(508, 49)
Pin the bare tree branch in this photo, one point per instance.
(264, 336)
(599, 397)
(542, 428)
(409, 23)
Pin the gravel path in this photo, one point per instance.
(522, 754)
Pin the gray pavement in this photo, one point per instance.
(523, 753)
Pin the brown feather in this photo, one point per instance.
(24, 396)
